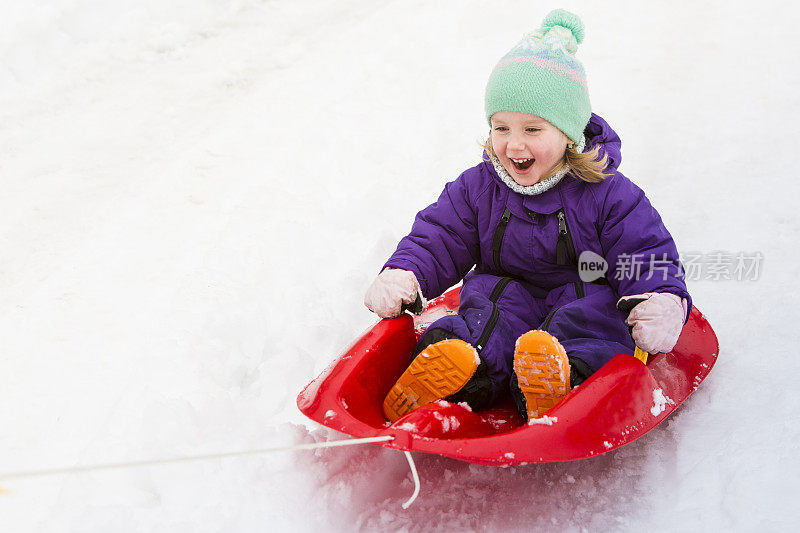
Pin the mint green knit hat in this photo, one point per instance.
(541, 76)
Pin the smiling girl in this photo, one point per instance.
(548, 189)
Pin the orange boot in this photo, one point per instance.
(542, 369)
(438, 371)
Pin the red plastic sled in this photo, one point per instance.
(621, 402)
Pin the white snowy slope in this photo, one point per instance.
(194, 196)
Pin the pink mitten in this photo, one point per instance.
(390, 290)
(657, 321)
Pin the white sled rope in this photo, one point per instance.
(155, 462)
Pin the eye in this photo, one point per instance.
(501, 128)
(532, 129)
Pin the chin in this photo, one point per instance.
(526, 181)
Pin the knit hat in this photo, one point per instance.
(541, 76)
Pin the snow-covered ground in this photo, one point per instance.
(194, 196)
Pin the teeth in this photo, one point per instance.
(520, 161)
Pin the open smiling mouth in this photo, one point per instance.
(523, 164)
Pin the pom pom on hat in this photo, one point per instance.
(565, 19)
(541, 76)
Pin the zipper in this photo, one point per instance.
(549, 318)
(490, 324)
(497, 241)
(565, 248)
(579, 289)
(546, 323)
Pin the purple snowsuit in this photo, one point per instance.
(525, 252)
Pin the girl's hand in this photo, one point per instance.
(390, 290)
(657, 321)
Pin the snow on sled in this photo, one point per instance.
(619, 403)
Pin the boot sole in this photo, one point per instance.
(438, 371)
(542, 369)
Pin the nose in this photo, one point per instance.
(516, 143)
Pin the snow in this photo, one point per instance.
(543, 421)
(465, 405)
(477, 358)
(660, 401)
(195, 196)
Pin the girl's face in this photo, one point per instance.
(528, 146)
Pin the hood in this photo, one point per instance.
(599, 133)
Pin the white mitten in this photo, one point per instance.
(657, 321)
(390, 290)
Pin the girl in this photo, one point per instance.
(546, 196)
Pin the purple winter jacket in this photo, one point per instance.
(478, 221)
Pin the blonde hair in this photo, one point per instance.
(586, 166)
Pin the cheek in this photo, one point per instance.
(497, 145)
(552, 151)
(552, 154)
